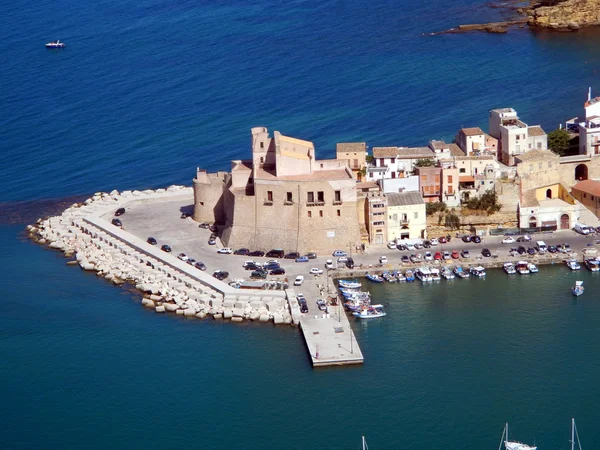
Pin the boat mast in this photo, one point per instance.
(573, 434)
(504, 432)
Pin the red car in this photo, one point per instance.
(455, 254)
(442, 240)
(437, 256)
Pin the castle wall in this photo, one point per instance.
(208, 196)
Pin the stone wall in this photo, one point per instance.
(208, 197)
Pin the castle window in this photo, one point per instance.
(270, 196)
(262, 145)
(289, 197)
(321, 213)
(339, 212)
(338, 196)
(310, 197)
(309, 213)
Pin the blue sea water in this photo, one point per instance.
(146, 91)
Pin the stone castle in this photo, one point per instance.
(281, 198)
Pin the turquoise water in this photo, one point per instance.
(145, 92)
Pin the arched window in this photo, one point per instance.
(532, 222)
(548, 193)
(581, 172)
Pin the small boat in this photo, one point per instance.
(509, 268)
(56, 44)
(533, 268)
(409, 276)
(374, 278)
(477, 271)
(460, 273)
(573, 264)
(350, 284)
(401, 278)
(513, 445)
(435, 274)
(423, 274)
(592, 264)
(369, 313)
(388, 277)
(447, 274)
(523, 267)
(578, 289)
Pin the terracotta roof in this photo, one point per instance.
(466, 179)
(473, 158)
(476, 131)
(533, 155)
(588, 186)
(455, 150)
(536, 130)
(404, 199)
(385, 152)
(367, 185)
(529, 199)
(356, 147)
(439, 145)
(415, 152)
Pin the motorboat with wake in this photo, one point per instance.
(55, 44)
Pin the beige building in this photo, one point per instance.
(588, 193)
(474, 142)
(355, 153)
(551, 207)
(515, 136)
(406, 216)
(282, 198)
(376, 212)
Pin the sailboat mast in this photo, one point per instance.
(504, 432)
(573, 434)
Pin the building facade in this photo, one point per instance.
(406, 216)
(515, 136)
(588, 193)
(353, 152)
(474, 142)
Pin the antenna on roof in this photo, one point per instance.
(589, 93)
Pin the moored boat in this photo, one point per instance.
(388, 277)
(573, 264)
(513, 445)
(578, 289)
(533, 268)
(592, 264)
(478, 271)
(350, 284)
(435, 274)
(423, 274)
(401, 278)
(56, 44)
(523, 267)
(447, 273)
(374, 278)
(509, 268)
(409, 275)
(369, 313)
(460, 273)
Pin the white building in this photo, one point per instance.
(398, 162)
(474, 142)
(406, 216)
(406, 184)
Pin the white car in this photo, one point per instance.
(383, 260)
(329, 264)
(225, 250)
(299, 280)
(446, 255)
(508, 240)
(391, 245)
(316, 271)
(182, 256)
(433, 241)
(428, 256)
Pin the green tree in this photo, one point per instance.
(425, 162)
(558, 141)
(452, 220)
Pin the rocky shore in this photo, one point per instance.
(167, 284)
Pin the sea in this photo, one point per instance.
(148, 90)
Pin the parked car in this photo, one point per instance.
(303, 308)
(120, 212)
(521, 250)
(443, 240)
(151, 241)
(329, 264)
(258, 274)
(322, 304)
(292, 255)
(182, 256)
(311, 255)
(166, 248)
(437, 256)
(446, 255)
(316, 271)
(191, 261)
(508, 240)
(455, 254)
(401, 247)
(204, 225)
(434, 242)
(116, 222)
(486, 252)
(419, 246)
(275, 253)
(241, 251)
(391, 245)
(552, 249)
(383, 260)
(567, 248)
(301, 259)
(428, 256)
(340, 253)
(415, 258)
(426, 244)
(531, 251)
(342, 260)
(466, 238)
(524, 238)
(300, 297)
(405, 259)
(271, 266)
(278, 271)
(212, 241)
(350, 263)
(465, 254)
(252, 266)
(299, 280)
(256, 253)
(220, 274)
(225, 251)
(200, 265)
(476, 239)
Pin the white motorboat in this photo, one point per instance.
(349, 284)
(460, 273)
(573, 264)
(509, 268)
(56, 44)
(592, 264)
(369, 313)
(401, 278)
(435, 274)
(447, 273)
(533, 268)
(477, 271)
(513, 445)
(523, 267)
(423, 274)
(578, 289)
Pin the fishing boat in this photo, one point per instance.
(423, 274)
(401, 278)
(509, 268)
(573, 264)
(389, 277)
(477, 271)
(56, 44)
(435, 274)
(533, 268)
(512, 445)
(523, 267)
(369, 313)
(410, 277)
(349, 284)
(447, 273)
(578, 289)
(374, 278)
(592, 264)
(460, 273)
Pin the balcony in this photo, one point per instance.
(337, 202)
(268, 202)
(288, 203)
(315, 204)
